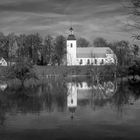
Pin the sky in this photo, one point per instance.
(89, 18)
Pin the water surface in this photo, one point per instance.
(75, 109)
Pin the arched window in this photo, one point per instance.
(81, 85)
(102, 62)
(95, 61)
(71, 45)
(88, 62)
(81, 61)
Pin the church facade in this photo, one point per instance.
(88, 55)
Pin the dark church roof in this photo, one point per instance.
(93, 52)
(71, 37)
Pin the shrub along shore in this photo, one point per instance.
(46, 71)
(98, 73)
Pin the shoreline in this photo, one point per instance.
(44, 73)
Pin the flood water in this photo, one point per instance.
(71, 109)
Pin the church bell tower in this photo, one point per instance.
(71, 48)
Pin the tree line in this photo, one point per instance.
(33, 47)
(52, 50)
(125, 52)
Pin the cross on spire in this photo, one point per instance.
(71, 31)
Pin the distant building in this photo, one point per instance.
(3, 62)
(88, 55)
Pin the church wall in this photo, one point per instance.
(71, 52)
(91, 61)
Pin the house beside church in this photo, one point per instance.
(88, 55)
(3, 62)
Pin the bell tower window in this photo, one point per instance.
(81, 62)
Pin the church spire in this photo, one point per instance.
(71, 35)
(71, 31)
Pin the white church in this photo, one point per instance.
(87, 55)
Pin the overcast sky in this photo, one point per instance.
(90, 18)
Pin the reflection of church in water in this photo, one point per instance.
(81, 91)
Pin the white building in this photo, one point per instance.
(3, 62)
(87, 55)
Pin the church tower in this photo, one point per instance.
(71, 48)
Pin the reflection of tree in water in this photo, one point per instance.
(4, 105)
(33, 100)
(94, 93)
(92, 81)
(58, 91)
(53, 95)
(126, 95)
(135, 90)
(20, 100)
(46, 90)
(102, 93)
(100, 96)
(121, 97)
(2, 114)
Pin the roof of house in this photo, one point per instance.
(2, 58)
(71, 37)
(91, 52)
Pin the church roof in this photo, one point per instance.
(71, 37)
(91, 52)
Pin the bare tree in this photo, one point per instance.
(82, 42)
(133, 8)
(48, 49)
(60, 48)
(100, 42)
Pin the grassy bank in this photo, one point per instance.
(43, 71)
(64, 72)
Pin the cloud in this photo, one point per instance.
(90, 18)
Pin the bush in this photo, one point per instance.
(134, 69)
(22, 71)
